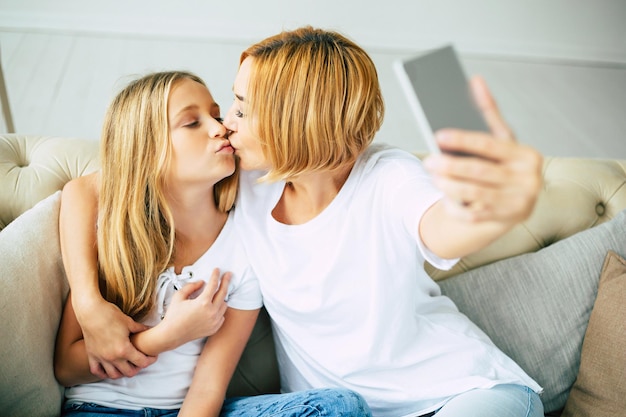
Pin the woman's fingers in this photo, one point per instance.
(489, 109)
(501, 184)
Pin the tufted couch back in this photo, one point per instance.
(578, 193)
(34, 167)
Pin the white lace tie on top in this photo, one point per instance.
(167, 284)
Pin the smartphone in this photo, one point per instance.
(438, 93)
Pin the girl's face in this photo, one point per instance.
(200, 151)
(243, 139)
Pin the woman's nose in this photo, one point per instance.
(229, 119)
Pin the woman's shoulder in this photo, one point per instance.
(254, 193)
(381, 156)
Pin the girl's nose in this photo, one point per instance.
(217, 129)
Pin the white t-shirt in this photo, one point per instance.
(165, 383)
(350, 302)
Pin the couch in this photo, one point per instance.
(535, 291)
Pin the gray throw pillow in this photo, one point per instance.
(536, 306)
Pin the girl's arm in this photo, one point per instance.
(185, 320)
(105, 328)
(217, 364)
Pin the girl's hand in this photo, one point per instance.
(197, 310)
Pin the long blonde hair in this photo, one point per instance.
(325, 101)
(136, 233)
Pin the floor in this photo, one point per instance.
(60, 84)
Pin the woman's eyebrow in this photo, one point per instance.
(240, 98)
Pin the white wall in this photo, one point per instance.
(556, 67)
(573, 29)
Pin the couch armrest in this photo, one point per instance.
(34, 167)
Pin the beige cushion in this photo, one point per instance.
(600, 388)
(31, 300)
(34, 167)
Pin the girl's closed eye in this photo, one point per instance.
(238, 113)
(192, 124)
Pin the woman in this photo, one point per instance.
(346, 226)
(337, 230)
(166, 190)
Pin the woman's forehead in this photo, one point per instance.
(241, 80)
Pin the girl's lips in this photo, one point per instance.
(226, 149)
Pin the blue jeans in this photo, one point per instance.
(313, 403)
(95, 410)
(331, 402)
(499, 401)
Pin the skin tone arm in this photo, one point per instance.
(105, 329)
(71, 365)
(183, 322)
(484, 197)
(217, 364)
(100, 320)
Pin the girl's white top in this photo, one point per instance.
(165, 383)
(350, 302)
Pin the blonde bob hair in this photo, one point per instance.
(313, 99)
(135, 225)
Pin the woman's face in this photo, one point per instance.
(200, 151)
(243, 139)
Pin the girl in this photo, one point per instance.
(166, 189)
